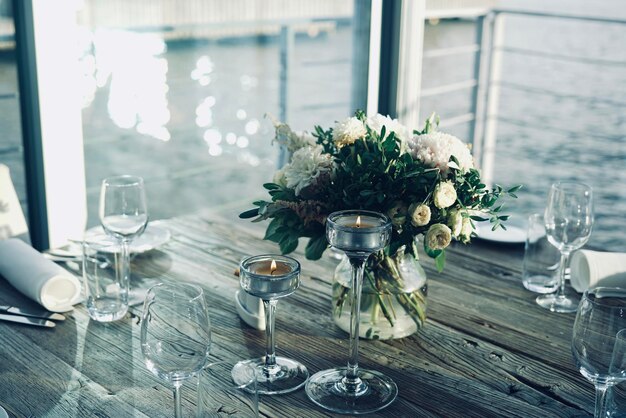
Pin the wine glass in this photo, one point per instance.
(175, 334)
(599, 341)
(123, 214)
(352, 390)
(569, 218)
(271, 277)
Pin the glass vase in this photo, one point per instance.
(393, 300)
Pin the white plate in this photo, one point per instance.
(154, 236)
(512, 235)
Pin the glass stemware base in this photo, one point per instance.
(330, 390)
(566, 303)
(285, 376)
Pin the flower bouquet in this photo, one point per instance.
(425, 181)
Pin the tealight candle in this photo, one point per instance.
(358, 231)
(270, 268)
(269, 276)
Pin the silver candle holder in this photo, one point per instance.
(271, 277)
(351, 390)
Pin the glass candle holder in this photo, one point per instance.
(271, 277)
(351, 390)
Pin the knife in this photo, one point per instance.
(32, 312)
(27, 321)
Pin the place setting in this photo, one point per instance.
(378, 292)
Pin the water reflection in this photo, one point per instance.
(133, 66)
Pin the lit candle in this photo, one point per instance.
(358, 231)
(270, 268)
(269, 276)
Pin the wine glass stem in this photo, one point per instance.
(601, 404)
(563, 266)
(352, 376)
(270, 356)
(124, 266)
(178, 411)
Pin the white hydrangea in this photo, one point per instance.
(347, 131)
(434, 149)
(377, 122)
(307, 166)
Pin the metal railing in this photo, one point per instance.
(486, 82)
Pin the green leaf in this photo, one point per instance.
(514, 189)
(316, 247)
(273, 227)
(477, 218)
(271, 186)
(430, 252)
(440, 261)
(288, 244)
(249, 213)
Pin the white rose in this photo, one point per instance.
(438, 237)
(466, 230)
(455, 222)
(420, 214)
(445, 195)
(348, 131)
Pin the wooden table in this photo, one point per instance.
(487, 349)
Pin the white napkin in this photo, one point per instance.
(594, 268)
(40, 279)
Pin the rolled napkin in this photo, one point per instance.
(595, 268)
(40, 279)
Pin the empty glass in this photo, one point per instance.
(106, 291)
(123, 213)
(175, 334)
(568, 218)
(220, 396)
(541, 259)
(598, 341)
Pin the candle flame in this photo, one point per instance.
(273, 267)
(358, 221)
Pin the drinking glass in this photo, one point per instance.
(123, 213)
(175, 334)
(599, 341)
(351, 390)
(271, 277)
(541, 259)
(107, 295)
(569, 218)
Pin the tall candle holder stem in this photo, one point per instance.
(352, 390)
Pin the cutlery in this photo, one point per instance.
(32, 312)
(27, 321)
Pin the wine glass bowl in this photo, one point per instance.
(599, 340)
(123, 209)
(568, 220)
(175, 333)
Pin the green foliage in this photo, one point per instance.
(376, 173)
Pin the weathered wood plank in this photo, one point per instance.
(486, 350)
